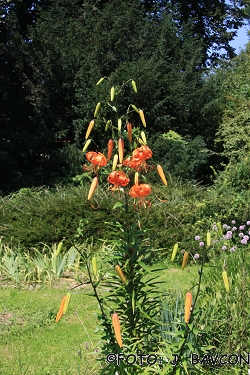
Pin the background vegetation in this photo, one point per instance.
(194, 92)
(53, 52)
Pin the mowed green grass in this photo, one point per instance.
(30, 340)
(32, 343)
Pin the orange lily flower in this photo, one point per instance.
(139, 157)
(140, 191)
(133, 163)
(142, 153)
(96, 158)
(118, 178)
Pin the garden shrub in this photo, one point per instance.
(33, 217)
(183, 157)
(235, 176)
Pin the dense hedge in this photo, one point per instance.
(32, 217)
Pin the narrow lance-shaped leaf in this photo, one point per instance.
(133, 301)
(59, 248)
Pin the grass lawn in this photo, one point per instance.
(32, 343)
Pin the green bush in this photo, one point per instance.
(182, 157)
(38, 216)
(236, 176)
(224, 320)
(33, 217)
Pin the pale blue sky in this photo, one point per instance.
(241, 40)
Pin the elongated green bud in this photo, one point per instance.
(109, 122)
(94, 265)
(141, 113)
(225, 279)
(219, 228)
(89, 129)
(174, 252)
(119, 124)
(100, 81)
(208, 239)
(135, 108)
(115, 161)
(59, 248)
(86, 145)
(141, 141)
(98, 105)
(143, 137)
(134, 86)
(112, 93)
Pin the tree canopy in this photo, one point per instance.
(234, 130)
(52, 53)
